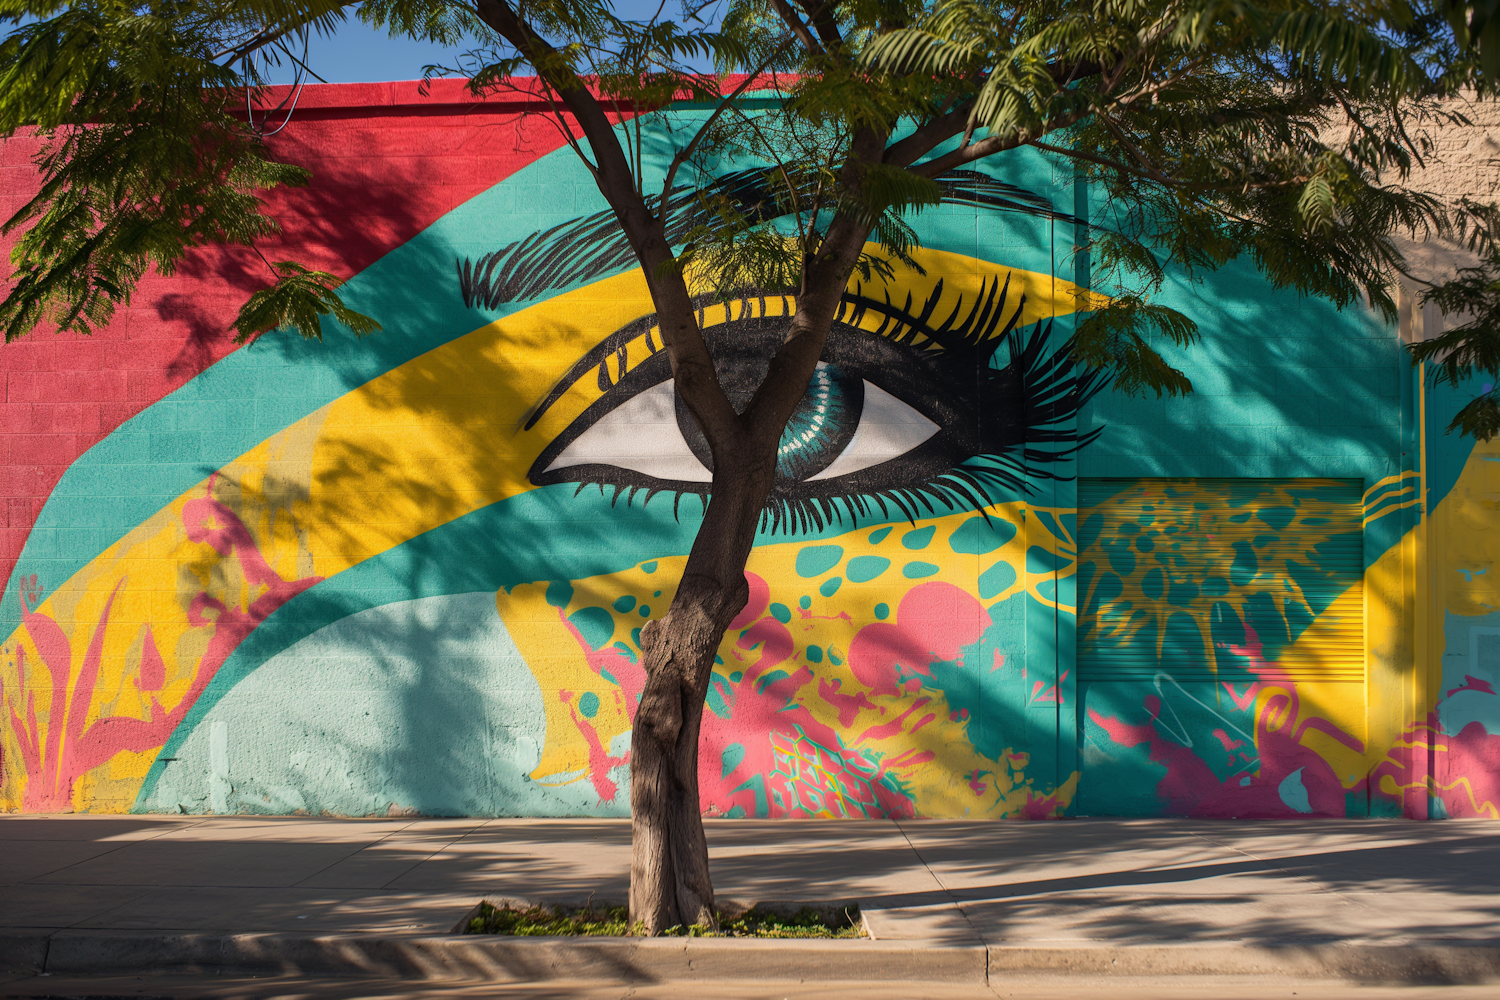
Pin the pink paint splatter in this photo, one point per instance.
(1229, 746)
(933, 622)
(1472, 683)
(1191, 788)
(848, 705)
(600, 761)
(630, 676)
(71, 748)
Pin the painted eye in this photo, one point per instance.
(843, 424)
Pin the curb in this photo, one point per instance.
(496, 959)
(639, 960)
(1369, 963)
(23, 951)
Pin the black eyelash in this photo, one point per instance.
(999, 427)
(590, 247)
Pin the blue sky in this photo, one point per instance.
(359, 54)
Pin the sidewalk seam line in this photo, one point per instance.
(957, 905)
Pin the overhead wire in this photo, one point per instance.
(298, 81)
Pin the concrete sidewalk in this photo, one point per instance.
(1371, 901)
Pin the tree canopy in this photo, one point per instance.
(1281, 131)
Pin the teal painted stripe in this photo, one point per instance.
(235, 404)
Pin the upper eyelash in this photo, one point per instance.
(962, 343)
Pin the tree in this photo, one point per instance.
(1279, 130)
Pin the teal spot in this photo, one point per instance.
(814, 654)
(731, 757)
(1294, 793)
(611, 678)
(865, 568)
(649, 567)
(1129, 529)
(1261, 541)
(625, 651)
(1121, 559)
(717, 698)
(656, 594)
(920, 538)
(882, 611)
(1239, 518)
(588, 704)
(1277, 517)
(996, 580)
(1244, 567)
(718, 659)
(1109, 588)
(804, 602)
(624, 604)
(1182, 592)
(1144, 543)
(1215, 586)
(596, 625)
(1039, 560)
(830, 586)
(977, 536)
(917, 570)
(781, 613)
(876, 537)
(1153, 584)
(766, 680)
(815, 560)
(635, 637)
(645, 611)
(737, 676)
(834, 657)
(559, 593)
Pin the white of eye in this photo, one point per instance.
(641, 435)
(888, 428)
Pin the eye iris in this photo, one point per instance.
(822, 425)
(817, 433)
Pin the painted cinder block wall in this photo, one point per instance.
(407, 574)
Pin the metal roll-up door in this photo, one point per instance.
(1220, 579)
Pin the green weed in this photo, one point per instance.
(614, 921)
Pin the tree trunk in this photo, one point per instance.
(669, 879)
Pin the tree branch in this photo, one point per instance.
(692, 366)
(797, 27)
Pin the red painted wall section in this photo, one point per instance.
(387, 161)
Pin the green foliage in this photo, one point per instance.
(147, 151)
(1471, 348)
(1118, 338)
(614, 921)
(1210, 130)
(1476, 28)
(298, 301)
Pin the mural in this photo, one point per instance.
(409, 574)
